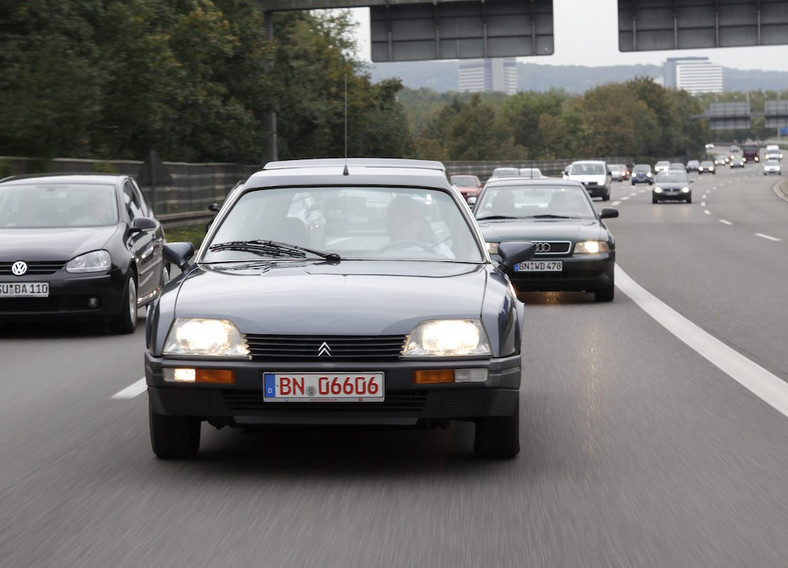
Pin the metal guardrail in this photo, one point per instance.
(172, 220)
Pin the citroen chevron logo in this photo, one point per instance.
(324, 349)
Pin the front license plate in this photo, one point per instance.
(24, 289)
(323, 387)
(540, 266)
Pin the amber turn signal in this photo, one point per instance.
(433, 376)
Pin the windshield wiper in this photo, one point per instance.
(496, 217)
(550, 216)
(274, 249)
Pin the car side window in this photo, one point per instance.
(131, 201)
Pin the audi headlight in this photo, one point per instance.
(94, 261)
(205, 338)
(448, 338)
(591, 247)
(492, 248)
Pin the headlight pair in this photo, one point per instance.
(434, 338)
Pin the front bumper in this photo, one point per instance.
(595, 190)
(71, 296)
(578, 275)
(669, 195)
(405, 403)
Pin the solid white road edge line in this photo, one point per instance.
(133, 390)
(763, 384)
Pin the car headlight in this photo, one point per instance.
(448, 338)
(94, 261)
(205, 338)
(591, 247)
(657, 189)
(685, 190)
(492, 248)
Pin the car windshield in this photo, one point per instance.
(587, 169)
(532, 201)
(641, 168)
(675, 177)
(464, 181)
(343, 223)
(51, 205)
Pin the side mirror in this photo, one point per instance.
(178, 254)
(214, 207)
(142, 224)
(608, 213)
(515, 252)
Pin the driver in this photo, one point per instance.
(406, 224)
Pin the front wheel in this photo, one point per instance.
(174, 437)
(605, 294)
(498, 437)
(126, 320)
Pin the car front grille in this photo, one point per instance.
(399, 401)
(325, 348)
(547, 248)
(33, 268)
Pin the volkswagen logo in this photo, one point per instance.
(542, 247)
(19, 268)
(324, 350)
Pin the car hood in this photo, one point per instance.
(289, 297)
(672, 184)
(502, 230)
(63, 243)
(600, 179)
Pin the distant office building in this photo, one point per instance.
(695, 75)
(488, 75)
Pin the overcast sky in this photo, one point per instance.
(586, 33)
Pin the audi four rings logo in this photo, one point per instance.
(19, 268)
(542, 247)
(324, 349)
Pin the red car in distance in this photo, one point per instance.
(469, 186)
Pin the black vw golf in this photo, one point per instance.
(78, 247)
(338, 292)
(575, 251)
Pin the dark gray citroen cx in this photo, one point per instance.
(335, 291)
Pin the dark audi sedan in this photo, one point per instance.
(78, 247)
(575, 251)
(333, 292)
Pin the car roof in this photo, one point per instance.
(589, 162)
(64, 178)
(358, 171)
(515, 181)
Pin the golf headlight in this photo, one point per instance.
(205, 338)
(94, 261)
(447, 338)
(657, 190)
(685, 190)
(591, 247)
(492, 248)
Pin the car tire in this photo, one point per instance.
(605, 294)
(498, 437)
(689, 199)
(126, 321)
(174, 437)
(654, 199)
